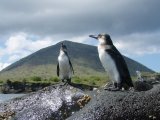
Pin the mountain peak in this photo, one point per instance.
(64, 41)
(84, 58)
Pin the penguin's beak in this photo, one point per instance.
(93, 36)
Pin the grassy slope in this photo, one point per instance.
(43, 64)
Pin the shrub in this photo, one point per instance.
(18, 86)
(93, 83)
(85, 79)
(77, 79)
(54, 79)
(96, 78)
(36, 78)
(1, 81)
(9, 83)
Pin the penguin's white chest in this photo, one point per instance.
(108, 64)
(65, 71)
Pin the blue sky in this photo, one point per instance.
(27, 26)
(151, 61)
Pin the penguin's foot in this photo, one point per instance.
(112, 89)
(64, 83)
(69, 81)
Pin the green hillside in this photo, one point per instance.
(43, 63)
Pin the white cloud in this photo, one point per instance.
(1, 52)
(20, 45)
(3, 65)
(36, 45)
(15, 43)
(20, 42)
(14, 57)
(80, 39)
(139, 44)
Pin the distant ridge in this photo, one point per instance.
(43, 62)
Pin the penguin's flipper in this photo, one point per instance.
(119, 61)
(71, 66)
(70, 62)
(58, 69)
(121, 66)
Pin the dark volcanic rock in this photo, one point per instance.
(54, 102)
(60, 102)
(142, 86)
(122, 105)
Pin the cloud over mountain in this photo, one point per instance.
(133, 24)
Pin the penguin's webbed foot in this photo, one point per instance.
(69, 81)
(63, 83)
(112, 89)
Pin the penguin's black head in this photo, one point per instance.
(63, 47)
(103, 39)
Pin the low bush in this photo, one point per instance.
(36, 78)
(54, 79)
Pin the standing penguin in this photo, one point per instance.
(64, 66)
(113, 62)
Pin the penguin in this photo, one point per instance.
(64, 66)
(113, 63)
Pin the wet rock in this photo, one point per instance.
(71, 103)
(122, 105)
(142, 86)
(52, 103)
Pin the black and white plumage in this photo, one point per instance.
(64, 66)
(113, 62)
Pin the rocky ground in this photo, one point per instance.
(71, 102)
(122, 105)
(52, 103)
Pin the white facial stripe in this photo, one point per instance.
(102, 41)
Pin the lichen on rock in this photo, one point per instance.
(7, 115)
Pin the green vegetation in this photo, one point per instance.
(26, 84)
(36, 79)
(1, 81)
(36, 83)
(43, 64)
(54, 79)
(91, 80)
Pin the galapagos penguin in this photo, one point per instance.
(64, 66)
(113, 63)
